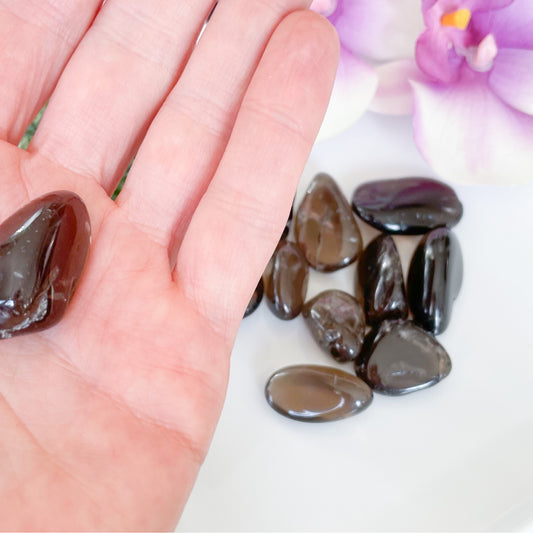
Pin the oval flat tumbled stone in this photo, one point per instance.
(408, 206)
(434, 280)
(380, 276)
(313, 393)
(398, 357)
(325, 227)
(43, 250)
(285, 280)
(337, 321)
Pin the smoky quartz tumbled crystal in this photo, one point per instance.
(435, 278)
(325, 227)
(380, 276)
(337, 322)
(43, 250)
(409, 206)
(314, 393)
(399, 357)
(285, 280)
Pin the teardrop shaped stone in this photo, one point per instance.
(379, 274)
(285, 280)
(398, 357)
(255, 299)
(43, 249)
(408, 206)
(325, 227)
(337, 322)
(435, 278)
(313, 393)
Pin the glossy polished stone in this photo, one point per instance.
(337, 322)
(255, 300)
(379, 274)
(285, 280)
(408, 206)
(312, 393)
(435, 278)
(325, 227)
(399, 357)
(43, 249)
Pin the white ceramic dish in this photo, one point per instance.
(457, 456)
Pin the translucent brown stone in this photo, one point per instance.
(409, 206)
(380, 277)
(313, 393)
(43, 249)
(399, 357)
(337, 322)
(435, 278)
(255, 299)
(325, 227)
(285, 280)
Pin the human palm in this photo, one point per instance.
(106, 417)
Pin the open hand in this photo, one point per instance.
(106, 417)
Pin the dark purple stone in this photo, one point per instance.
(313, 393)
(255, 300)
(399, 357)
(325, 227)
(43, 250)
(337, 322)
(379, 274)
(285, 280)
(435, 278)
(408, 206)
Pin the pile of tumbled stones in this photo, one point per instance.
(394, 351)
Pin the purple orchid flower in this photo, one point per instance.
(356, 80)
(471, 89)
(368, 33)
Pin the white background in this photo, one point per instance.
(457, 456)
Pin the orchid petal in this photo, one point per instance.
(468, 134)
(324, 7)
(354, 88)
(512, 27)
(485, 5)
(512, 78)
(395, 95)
(436, 59)
(379, 29)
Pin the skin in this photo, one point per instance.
(107, 417)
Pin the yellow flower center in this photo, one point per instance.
(457, 19)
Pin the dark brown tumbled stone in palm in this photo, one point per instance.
(399, 357)
(43, 249)
(255, 299)
(325, 227)
(285, 280)
(409, 206)
(380, 277)
(435, 278)
(337, 322)
(313, 393)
